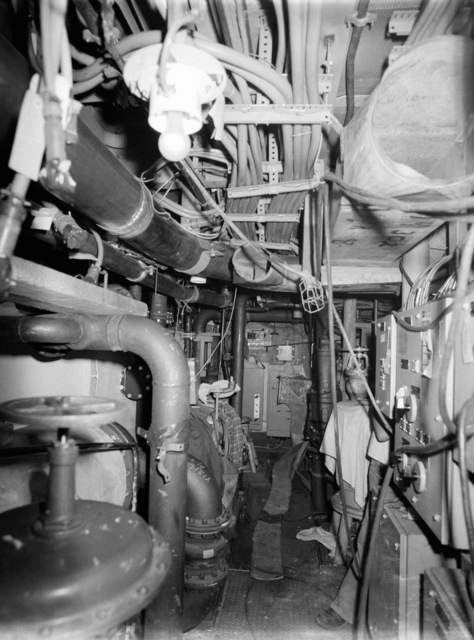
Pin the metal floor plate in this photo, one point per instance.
(279, 610)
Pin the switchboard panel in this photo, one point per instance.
(431, 483)
(386, 340)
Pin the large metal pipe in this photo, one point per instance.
(107, 193)
(167, 436)
(125, 208)
(136, 271)
(204, 501)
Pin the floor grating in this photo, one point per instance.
(279, 610)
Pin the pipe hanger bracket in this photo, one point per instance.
(161, 455)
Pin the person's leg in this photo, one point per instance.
(344, 606)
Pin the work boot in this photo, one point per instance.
(330, 620)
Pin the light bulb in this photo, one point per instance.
(173, 143)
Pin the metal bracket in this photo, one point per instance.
(369, 19)
(161, 455)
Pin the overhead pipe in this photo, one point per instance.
(167, 436)
(107, 193)
(136, 271)
(254, 315)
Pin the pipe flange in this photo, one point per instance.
(205, 577)
(196, 526)
(204, 548)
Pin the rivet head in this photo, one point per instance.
(142, 591)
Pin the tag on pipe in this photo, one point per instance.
(29, 145)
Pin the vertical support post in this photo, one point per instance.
(238, 349)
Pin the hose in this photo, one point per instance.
(364, 591)
(350, 60)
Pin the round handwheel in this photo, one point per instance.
(62, 411)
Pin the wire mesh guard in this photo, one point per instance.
(312, 294)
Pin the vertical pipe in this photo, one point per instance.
(350, 312)
(60, 503)
(321, 408)
(12, 214)
(238, 349)
(167, 436)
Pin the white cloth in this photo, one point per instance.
(378, 450)
(326, 538)
(355, 433)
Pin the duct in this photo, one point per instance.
(167, 436)
(107, 193)
(253, 270)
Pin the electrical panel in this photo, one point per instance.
(431, 483)
(386, 340)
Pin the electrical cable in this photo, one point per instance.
(424, 327)
(227, 55)
(221, 340)
(435, 208)
(332, 352)
(465, 491)
(350, 59)
(376, 407)
(442, 444)
(364, 589)
(100, 249)
(281, 35)
(164, 56)
(456, 320)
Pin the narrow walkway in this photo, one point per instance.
(284, 608)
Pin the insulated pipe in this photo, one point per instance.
(168, 433)
(204, 500)
(254, 270)
(125, 209)
(238, 350)
(107, 193)
(78, 239)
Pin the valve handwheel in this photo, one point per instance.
(62, 411)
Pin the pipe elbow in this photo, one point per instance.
(204, 500)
